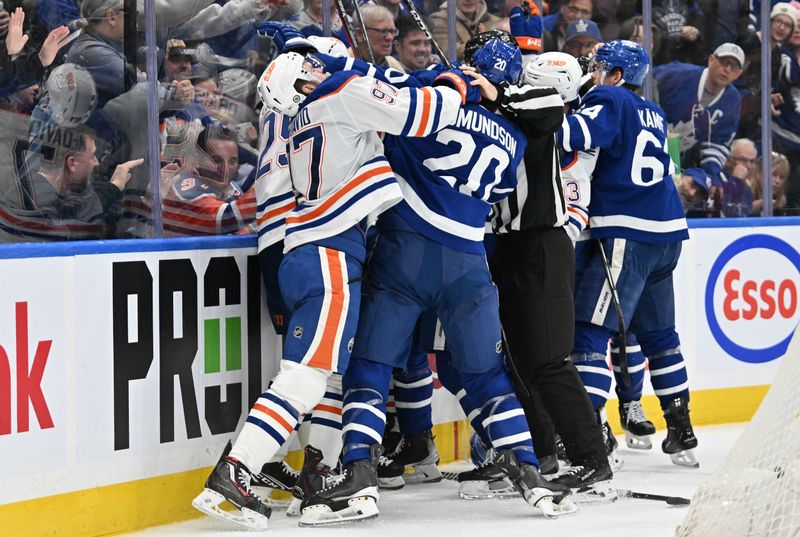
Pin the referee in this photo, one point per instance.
(534, 269)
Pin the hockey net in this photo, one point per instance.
(756, 490)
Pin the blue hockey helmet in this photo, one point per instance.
(499, 62)
(627, 56)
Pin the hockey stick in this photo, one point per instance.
(348, 29)
(424, 27)
(363, 28)
(622, 493)
(670, 500)
(623, 354)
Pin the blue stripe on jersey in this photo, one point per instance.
(437, 111)
(276, 199)
(336, 396)
(267, 429)
(330, 216)
(412, 112)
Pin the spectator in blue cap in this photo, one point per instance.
(582, 35)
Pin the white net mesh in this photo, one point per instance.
(756, 491)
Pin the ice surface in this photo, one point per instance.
(435, 510)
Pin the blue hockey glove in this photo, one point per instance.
(527, 27)
(285, 36)
(460, 82)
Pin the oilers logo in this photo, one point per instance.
(751, 298)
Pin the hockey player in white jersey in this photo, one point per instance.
(340, 177)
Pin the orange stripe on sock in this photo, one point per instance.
(329, 408)
(274, 415)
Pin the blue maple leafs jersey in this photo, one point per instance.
(450, 179)
(633, 194)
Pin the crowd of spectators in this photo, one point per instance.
(73, 100)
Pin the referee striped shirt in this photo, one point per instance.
(538, 200)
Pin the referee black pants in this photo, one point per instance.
(534, 271)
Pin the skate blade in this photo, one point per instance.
(294, 508)
(637, 442)
(615, 461)
(391, 483)
(482, 490)
(208, 502)
(549, 508)
(422, 473)
(685, 458)
(598, 493)
(357, 510)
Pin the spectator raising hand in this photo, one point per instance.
(16, 40)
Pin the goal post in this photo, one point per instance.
(756, 490)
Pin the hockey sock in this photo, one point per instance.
(391, 411)
(636, 364)
(322, 427)
(451, 380)
(366, 389)
(667, 367)
(595, 375)
(413, 393)
(269, 424)
(500, 412)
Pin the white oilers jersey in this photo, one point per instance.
(336, 157)
(576, 176)
(274, 193)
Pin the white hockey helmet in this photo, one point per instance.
(72, 94)
(329, 45)
(276, 85)
(556, 70)
(237, 84)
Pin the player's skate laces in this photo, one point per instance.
(487, 481)
(680, 441)
(419, 456)
(552, 499)
(590, 482)
(390, 474)
(352, 498)
(230, 480)
(638, 428)
(614, 459)
(274, 476)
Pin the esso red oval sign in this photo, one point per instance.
(752, 298)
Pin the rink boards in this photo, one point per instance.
(126, 365)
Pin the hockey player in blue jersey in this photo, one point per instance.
(637, 216)
(430, 255)
(340, 177)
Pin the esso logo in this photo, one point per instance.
(752, 298)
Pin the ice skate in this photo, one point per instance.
(274, 476)
(230, 480)
(485, 482)
(680, 441)
(590, 483)
(313, 477)
(638, 428)
(548, 465)
(418, 454)
(353, 498)
(390, 474)
(552, 499)
(392, 434)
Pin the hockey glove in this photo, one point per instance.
(460, 82)
(527, 27)
(286, 37)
